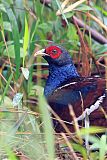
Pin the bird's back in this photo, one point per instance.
(81, 93)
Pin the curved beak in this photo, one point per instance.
(40, 52)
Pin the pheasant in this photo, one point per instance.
(65, 86)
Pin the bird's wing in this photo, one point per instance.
(81, 93)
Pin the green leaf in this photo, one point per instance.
(72, 33)
(6, 88)
(26, 40)
(2, 8)
(9, 1)
(11, 52)
(91, 129)
(7, 26)
(25, 72)
(7, 102)
(15, 33)
(20, 12)
(46, 27)
(81, 149)
(103, 147)
(11, 154)
(102, 49)
(83, 7)
(1, 23)
(69, 14)
(101, 9)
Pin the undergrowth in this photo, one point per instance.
(26, 129)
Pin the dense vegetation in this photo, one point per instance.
(25, 27)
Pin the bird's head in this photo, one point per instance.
(56, 55)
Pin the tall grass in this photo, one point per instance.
(26, 129)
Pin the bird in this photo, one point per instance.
(65, 86)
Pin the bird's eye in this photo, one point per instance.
(54, 51)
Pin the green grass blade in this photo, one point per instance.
(103, 147)
(13, 130)
(11, 154)
(15, 33)
(47, 127)
(6, 88)
(26, 40)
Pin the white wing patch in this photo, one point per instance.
(92, 108)
(90, 78)
(66, 85)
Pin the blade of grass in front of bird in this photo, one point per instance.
(34, 124)
(47, 127)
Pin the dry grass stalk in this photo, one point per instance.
(98, 21)
(7, 82)
(64, 4)
(63, 124)
(60, 121)
(69, 8)
(74, 156)
(75, 124)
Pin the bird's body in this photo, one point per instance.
(65, 86)
(81, 93)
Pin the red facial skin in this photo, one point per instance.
(53, 51)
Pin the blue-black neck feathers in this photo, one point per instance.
(61, 68)
(57, 75)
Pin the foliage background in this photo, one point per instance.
(25, 27)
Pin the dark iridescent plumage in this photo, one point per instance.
(64, 86)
